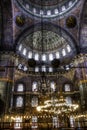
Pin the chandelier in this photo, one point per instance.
(56, 105)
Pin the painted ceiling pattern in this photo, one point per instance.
(46, 8)
(47, 2)
(44, 40)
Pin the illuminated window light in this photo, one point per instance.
(49, 12)
(30, 55)
(19, 102)
(43, 68)
(52, 85)
(50, 69)
(20, 88)
(34, 102)
(20, 66)
(68, 100)
(63, 52)
(20, 47)
(67, 87)
(41, 12)
(36, 56)
(63, 8)
(70, 3)
(34, 86)
(17, 124)
(44, 57)
(56, 11)
(67, 67)
(25, 68)
(57, 55)
(34, 10)
(68, 48)
(36, 69)
(50, 57)
(24, 51)
(27, 6)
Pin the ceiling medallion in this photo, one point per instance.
(20, 20)
(71, 21)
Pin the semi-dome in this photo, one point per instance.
(47, 44)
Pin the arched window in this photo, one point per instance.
(56, 11)
(34, 87)
(36, 69)
(43, 68)
(20, 88)
(24, 51)
(63, 8)
(34, 122)
(41, 12)
(63, 52)
(34, 10)
(44, 57)
(49, 12)
(67, 87)
(27, 6)
(55, 122)
(53, 86)
(19, 101)
(50, 57)
(50, 69)
(29, 54)
(57, 55)
(70, 3)
(36, 56)
(34, 101)
(68, 48)
(68, 100)
(20, 47)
